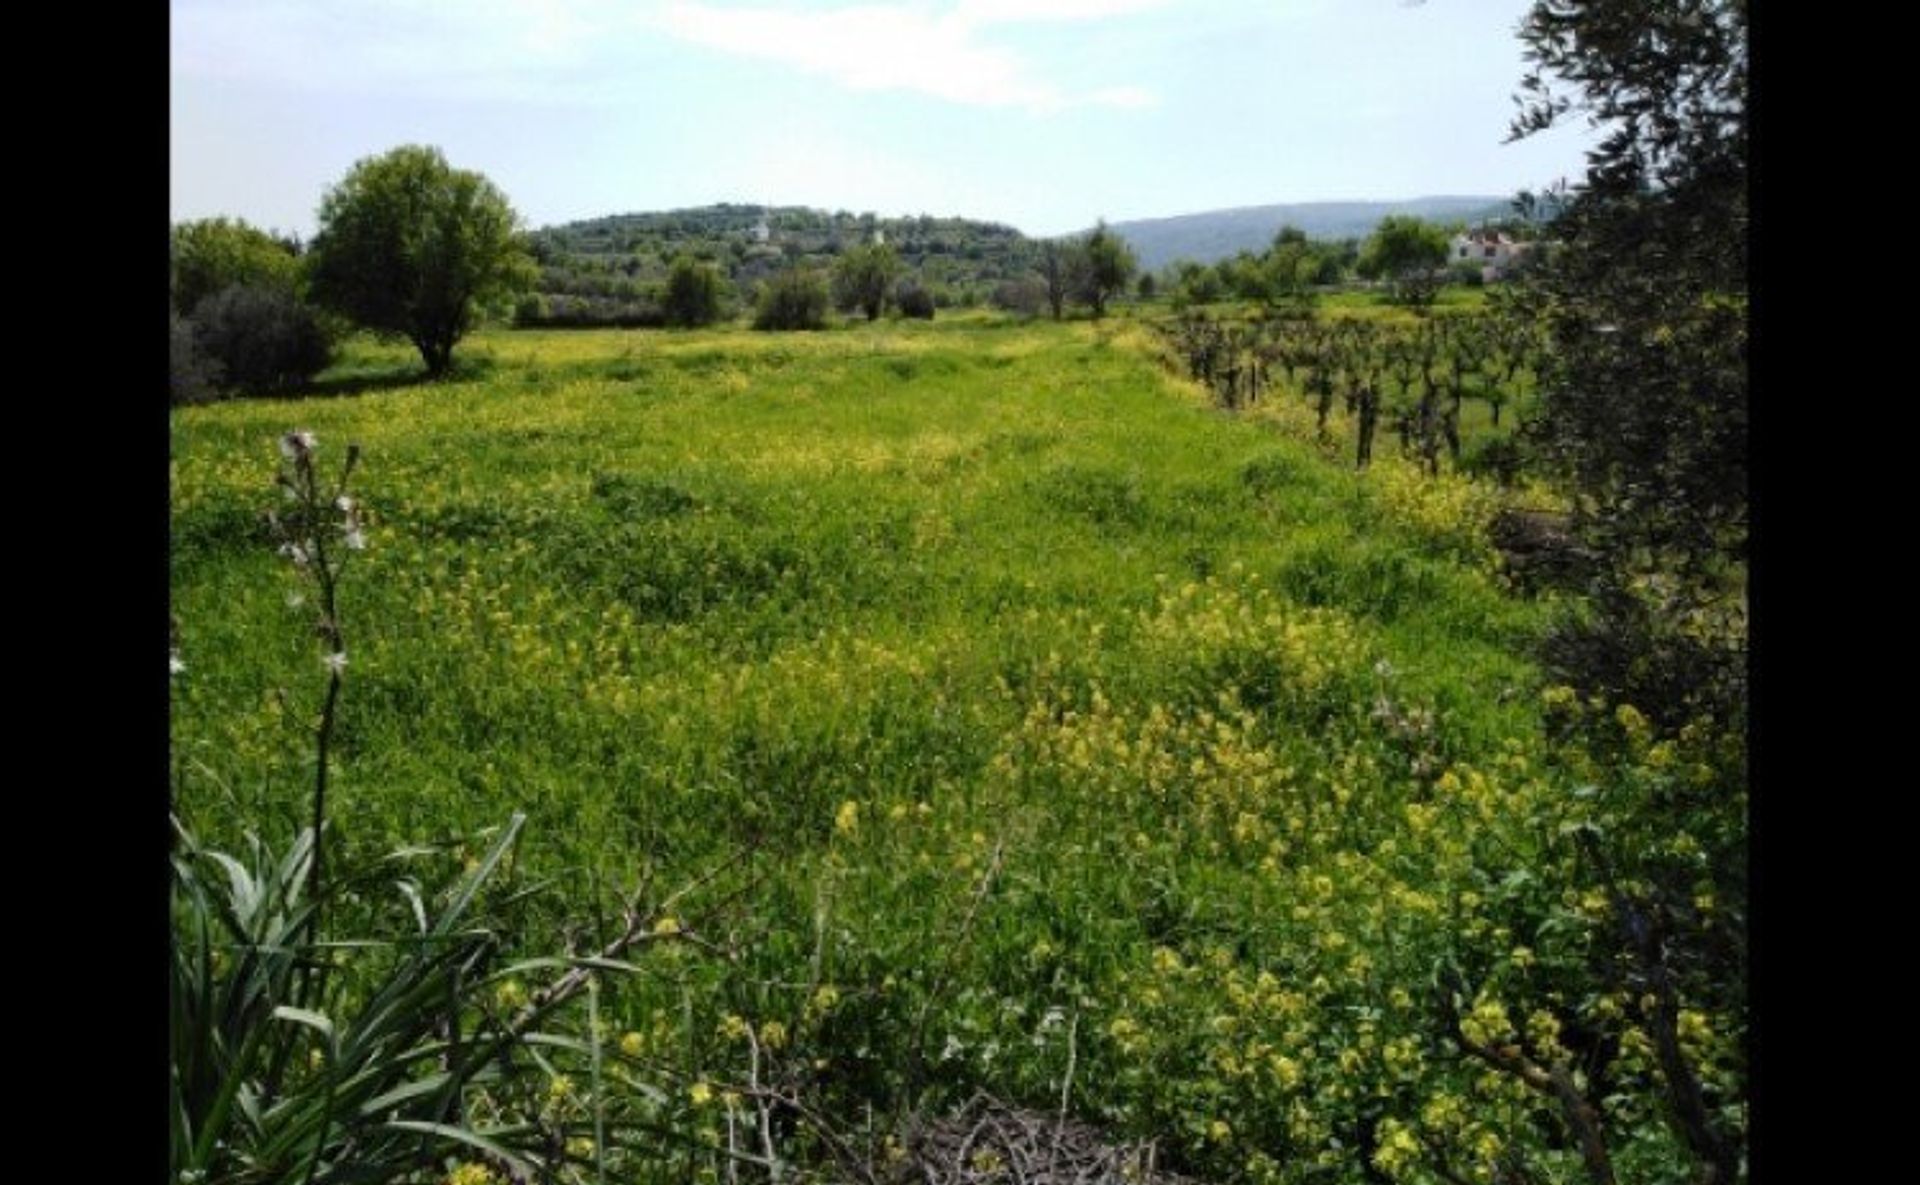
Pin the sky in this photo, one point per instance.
(1042, 114)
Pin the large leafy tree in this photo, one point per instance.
(863, 276)
(1645, 300)
(1406, 252)
(409, 245)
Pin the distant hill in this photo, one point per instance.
(610, 268)
(1219, 234)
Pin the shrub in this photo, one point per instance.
(914, 301)
(193, 376)
(1502, 458)
(693, 293)
(1025, 296)
(1466, 272)
(530, 309)
(216, 253)
(792, 299)
(262, 337)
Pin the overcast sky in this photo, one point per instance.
(1044, 114)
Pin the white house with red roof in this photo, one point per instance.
(1494, 251)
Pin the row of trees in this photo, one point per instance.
(1406, 254)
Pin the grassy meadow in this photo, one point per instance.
(1082, 739)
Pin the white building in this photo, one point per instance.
(1491, 249)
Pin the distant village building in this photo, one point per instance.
(1493, 250)
(879, 237)
(761, 232)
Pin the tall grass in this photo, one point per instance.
(1044, 699)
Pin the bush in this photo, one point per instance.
(914, 301)
(693, 294)
(193, 376)
(1502, 458)
(1025, 296)
(792, 299)
(262, 337)
(530, 309)
(1466, 272)
(216, 253)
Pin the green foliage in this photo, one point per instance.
(1063, 268)
(290, 1063)
(530, 309)
(1200, 284)
(216, 253)
(1405, 252)
(792, 299)
(193, 376)
(1110, 265)
(588, 262)
(409, 245)
(914, 301)
(1025, 296)
(1645, 298)
(263, 338)
(863, 277)
(693, 296)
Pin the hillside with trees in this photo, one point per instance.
(612, 270)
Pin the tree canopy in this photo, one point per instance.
(1405, 251)
(692, 295)
(1109, 268)
(409, 245)
(863, 276)
(1645, 297)
(215, 253)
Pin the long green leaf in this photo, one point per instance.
(462, 1135)
(465, 895)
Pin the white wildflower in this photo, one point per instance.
(356, 539)
(337, 661)
(293, 444)
(174, 665)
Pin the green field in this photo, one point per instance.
(1066, 720)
